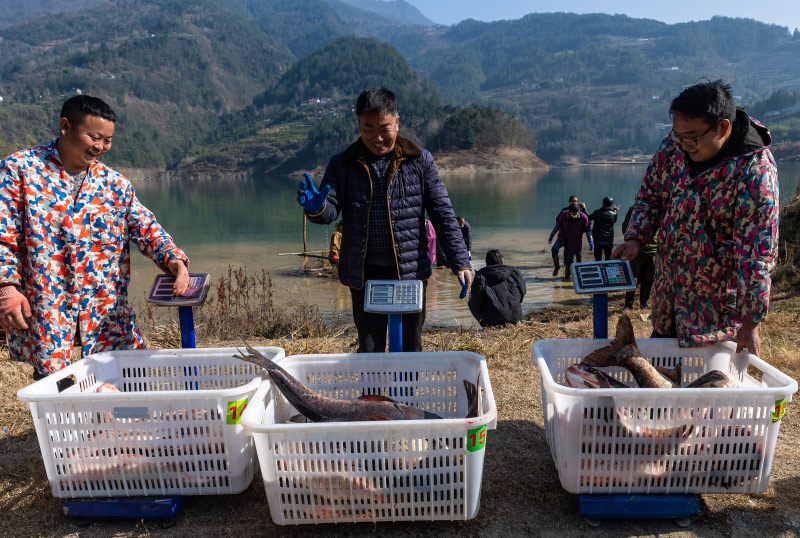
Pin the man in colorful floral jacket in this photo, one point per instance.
(66, 221)
(710, 197)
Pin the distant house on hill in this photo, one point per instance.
(107, 76)
(785, 110)
(315, 101)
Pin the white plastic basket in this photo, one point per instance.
(677, 440)
(408, 470)
(174, 429)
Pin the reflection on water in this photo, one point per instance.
(248, 222)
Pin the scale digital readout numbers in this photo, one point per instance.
(603, 276)
(161, 290)
(393, 296)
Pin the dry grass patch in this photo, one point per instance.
(521, 493)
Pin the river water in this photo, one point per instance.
(249, 222)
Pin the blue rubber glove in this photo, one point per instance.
(550, 239)
(465, 279)
(309, 197)
(591, 245)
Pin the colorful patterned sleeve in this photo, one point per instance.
(646, 216)
(756, 239)
(148, 235)
(10, 224)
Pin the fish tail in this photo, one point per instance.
(300, 396)
(472, 398)
(673, 374)
(605, 356)
(609, 355)
(624, 336)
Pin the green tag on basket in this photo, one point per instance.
(780, 409)
(235, 410)
(476, 439)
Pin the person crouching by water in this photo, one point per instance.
(571, 225)
(383, 185)
(710, 198)
(497, 293)
(67, 223)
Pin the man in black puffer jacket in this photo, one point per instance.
(497, 293)
(603, 221)
(383, 185)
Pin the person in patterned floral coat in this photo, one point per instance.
(710, 197)
(66, 221)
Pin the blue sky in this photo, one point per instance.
(782, 12)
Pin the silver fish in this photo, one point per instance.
(581, 376)
(323, 409)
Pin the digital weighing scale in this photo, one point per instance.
(195, 295)
(162, 508)
(395, 298)
(599, 278)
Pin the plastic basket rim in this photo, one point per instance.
(489, 417)
(540, 362)
(28, 393)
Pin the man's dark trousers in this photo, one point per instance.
(372, 327)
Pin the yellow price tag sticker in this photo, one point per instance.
(235, 410)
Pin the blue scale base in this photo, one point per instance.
(124, 508)
(638, 506)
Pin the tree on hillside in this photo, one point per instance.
(328, 138)
(480, 127)
(347, 66)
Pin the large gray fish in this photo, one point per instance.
(624, 352)
(323, 409)
(581, 376)
(713, 379)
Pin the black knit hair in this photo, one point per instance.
(712, 101)
(571, 197)
(77, 107)
(378, 100)
(494, 257)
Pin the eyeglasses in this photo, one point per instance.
(689, 142)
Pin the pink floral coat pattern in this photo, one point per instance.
(72, 258)
(717, 236)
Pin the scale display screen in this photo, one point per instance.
(603, 276)
(195, 295)
(393, 296)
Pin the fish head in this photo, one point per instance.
(581, 376)
(714, 379)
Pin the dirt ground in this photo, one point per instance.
(521, 492)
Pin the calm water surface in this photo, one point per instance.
(249, 222)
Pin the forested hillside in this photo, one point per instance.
(16, 11)
(282, 129)
(273, 82)
(597, 84)
(169, 68)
